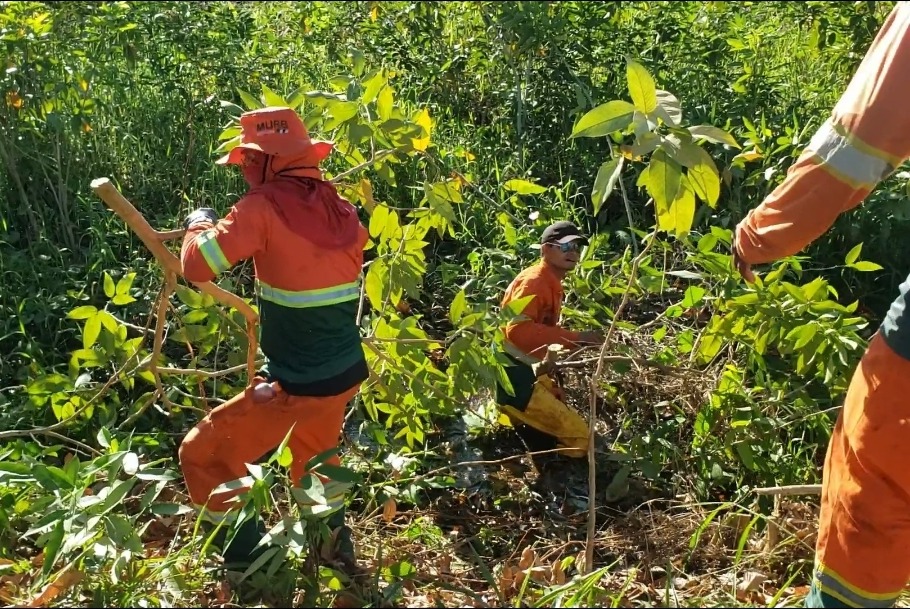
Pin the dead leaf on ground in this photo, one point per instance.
(527, 558)
(65, 580)
(389, 509)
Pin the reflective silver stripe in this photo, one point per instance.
(207, 243)
(519, 354)
(301, 299)
(846, 158)
(830, 584)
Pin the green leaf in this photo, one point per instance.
(866, 265)
(91, 331)
(713, 134)
(523, 187)
(271, 98)
(311, 490)
(853, 254)
(457, 308)
(644, 144)
(170, 509)
(125, 283)
(389, 221)
(384, 103)
(251, 102)
(339, 474)
(605, 181)
(744, 450)
(693, 297)
(376, 281)
(681, 214)
(285, 458)
(372, 86)
(109, 321)
(668, 108)
(641, 86)
(806, 334)
(83, 312)
(704, 178)
(117, 493)
(605, 119)
(296, 98)
(109, 289)
(663, 181)
(52, 548)
(515, 307)
(188, 296)
(122, 299)
(341, 112)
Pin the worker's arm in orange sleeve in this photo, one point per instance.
(211, 249)
(527, 333)
(864, 140)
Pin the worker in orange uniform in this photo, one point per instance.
(537, 409)
(862, 557)
(307, 244)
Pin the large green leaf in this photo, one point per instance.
(605, 119)
(376, 281)
(457, 308)
(703, 175)
(249, 100)
(91, 331)
(109, 287)
(385, 102)
(668, 108)
(663, 180)
(853, 254)
(271, 98)
(679, 216)
(372, 85)
(866, 266)
(87, 311)
(713, 134)
(641, 86)
(523, 187)
(605, 182)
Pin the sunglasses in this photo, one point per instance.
(571, 246)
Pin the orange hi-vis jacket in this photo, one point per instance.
(307, 248)
(527, 337)
(861, 554)
(864, 140)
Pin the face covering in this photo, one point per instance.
(254, 166)
(308, 205)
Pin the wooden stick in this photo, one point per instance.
(154, 240)
(796, 489)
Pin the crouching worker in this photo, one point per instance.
(537, 410)
(307, 244)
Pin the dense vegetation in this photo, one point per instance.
(463, 128)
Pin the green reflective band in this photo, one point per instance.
(211, 251)
(302, 299)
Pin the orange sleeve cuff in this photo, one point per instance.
(534, 338)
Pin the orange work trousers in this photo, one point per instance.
(241, 431)
(863, 550)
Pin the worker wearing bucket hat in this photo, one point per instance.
(307, 244)
(536, 407)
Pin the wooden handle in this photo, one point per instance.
(154, 240)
